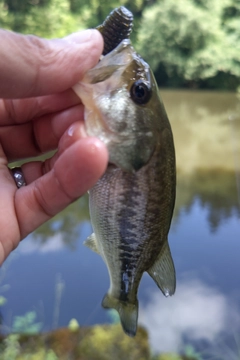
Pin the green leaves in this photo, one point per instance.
(189, 39)
(46, 18)
(26, 324)
(187, 42)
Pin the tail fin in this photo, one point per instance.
(128, 313)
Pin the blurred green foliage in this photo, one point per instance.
(106, 342)
(26, 324)
(192, 42)
(46, 18)
(188, 43)
(11, 350)
(103, 344)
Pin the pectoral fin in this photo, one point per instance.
(91, 243)
(163, 271)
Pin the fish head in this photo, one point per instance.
(120, 96)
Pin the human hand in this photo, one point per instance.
(39, 112)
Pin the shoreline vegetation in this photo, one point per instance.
(174, 37)
(99, 342)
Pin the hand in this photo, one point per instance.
(39, 112)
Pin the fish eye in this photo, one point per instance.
(140, 92)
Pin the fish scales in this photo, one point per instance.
(131, 206)
(124, 208)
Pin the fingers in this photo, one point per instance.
(34, 169)
(10, 234)
(31, 66)
(39, 136)
(75, 171)
(19, 111)
(52, 185)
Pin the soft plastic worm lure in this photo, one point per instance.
(117, 27)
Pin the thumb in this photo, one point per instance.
(32, 66)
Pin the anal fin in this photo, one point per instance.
(91, 243)
(163, 271)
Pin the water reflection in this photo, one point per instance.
(50, 244)
(203, 130)
(216, 191)
(197, 312)
(204, 240)
(64, 227)
(206, 127)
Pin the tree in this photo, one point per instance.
(188, 42)
(46, 18)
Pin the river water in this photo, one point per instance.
(54, 275)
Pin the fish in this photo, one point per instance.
(131, 205)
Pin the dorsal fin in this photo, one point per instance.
(163, 271)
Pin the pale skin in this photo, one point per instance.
(40, 112)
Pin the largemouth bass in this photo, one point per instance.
(131, 206)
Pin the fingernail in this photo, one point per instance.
(71, 130)
(81, 36)
(78, 130)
